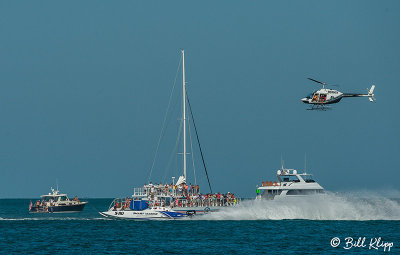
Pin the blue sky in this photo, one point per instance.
(84, 87)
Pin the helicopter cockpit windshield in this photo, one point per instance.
(311, 94)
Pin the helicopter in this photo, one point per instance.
(325, 96)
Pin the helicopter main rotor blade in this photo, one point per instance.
(320, 82)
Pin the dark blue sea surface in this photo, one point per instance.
(245, 230)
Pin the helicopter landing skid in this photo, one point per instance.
(319, 108)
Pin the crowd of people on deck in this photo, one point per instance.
(201, 200)
(42, 205)
(171, 189)
(181, 195)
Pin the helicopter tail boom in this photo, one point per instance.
(370, 95)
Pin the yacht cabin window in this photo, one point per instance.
(304, 191)
(308, 178)
(289, 178)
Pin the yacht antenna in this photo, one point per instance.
(305, 161)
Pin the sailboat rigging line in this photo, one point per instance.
(198, 142)
(191, 152)
(165, 119)
(173, 153)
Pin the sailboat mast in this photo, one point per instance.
(184, 113)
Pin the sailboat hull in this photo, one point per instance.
(149, 214)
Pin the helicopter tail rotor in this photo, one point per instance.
(371, 95)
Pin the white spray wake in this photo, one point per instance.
(352, 206)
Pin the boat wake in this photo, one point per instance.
(358, 206)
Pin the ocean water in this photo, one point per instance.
(297, 226)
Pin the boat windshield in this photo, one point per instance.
(289, 178)
(63, 198)
(308, 178)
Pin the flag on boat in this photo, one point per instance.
(181, 180)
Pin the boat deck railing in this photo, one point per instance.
(139, 192)
(39, 208)
(120, 204)
(123, 204)
(205, 202)
(162, 192)
(269, 183)
(142, 192)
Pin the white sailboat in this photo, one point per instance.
(175, 200)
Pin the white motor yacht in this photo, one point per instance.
(289, 184)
